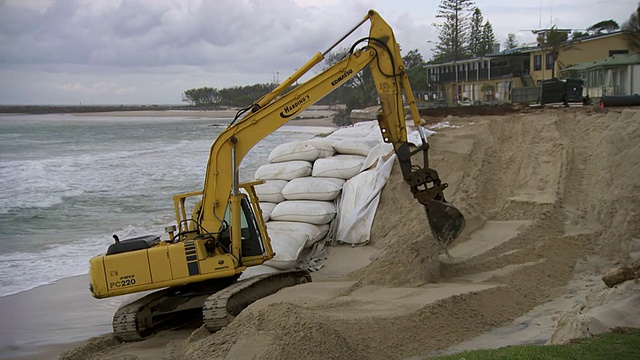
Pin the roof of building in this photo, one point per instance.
(597, 36)
(615, 60)
(524, 49)
(515, 51)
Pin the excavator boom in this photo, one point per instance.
(380, 51)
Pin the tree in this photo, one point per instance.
(475, 33)
(511, 42)
(233, 96)
(632, 31)
(201, 96)
(414, 66)
(488, 39)
(604, 25)
(452, 34)
(243, 95)
(554, 41)
(413, 59)
(358, 91)
(578, 34)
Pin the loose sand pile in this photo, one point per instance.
(551, 200)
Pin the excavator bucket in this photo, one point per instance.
(445, 220)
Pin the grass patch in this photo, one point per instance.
(621, 343)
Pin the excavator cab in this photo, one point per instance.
(251, 237)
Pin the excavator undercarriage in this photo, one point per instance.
(213, 303)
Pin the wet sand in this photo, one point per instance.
(313, 116)
(43, 322)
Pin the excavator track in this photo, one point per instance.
(135, 321)
(222, 307)
(125, 325)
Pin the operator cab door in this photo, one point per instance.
(252, 243)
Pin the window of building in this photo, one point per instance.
(537, 62)
(615, 52)
(595, 78)
(549, 62)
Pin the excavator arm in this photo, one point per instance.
(381, 52)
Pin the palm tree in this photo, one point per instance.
(554, 41)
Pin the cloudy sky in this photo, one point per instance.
(150, 51)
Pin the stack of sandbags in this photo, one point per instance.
(297, 207)
(360, 195)
(322, 187)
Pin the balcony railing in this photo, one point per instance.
(497, 72)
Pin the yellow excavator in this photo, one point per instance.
(196, 268)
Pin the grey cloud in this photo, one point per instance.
(104, 51)
(135, 33)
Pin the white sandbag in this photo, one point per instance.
(359, 201)
(358, 130)
(309, 211)
(349, 132)
(324, 231)
(313, 188)
(414, 136)
(258, 270)
(338, 166)
(355, 146)
(271, 191)
(314, 232)
(308, 150)
(287, 246)
(313, 258)
(266, 208)
(381, 151)
(369, 125)
(284, 171)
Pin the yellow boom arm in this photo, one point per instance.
(381, 52)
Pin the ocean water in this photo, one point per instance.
(68, 183)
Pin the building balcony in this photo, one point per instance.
(486, 74)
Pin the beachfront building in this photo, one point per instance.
(615, 75)
(489, 78)
(573, 52)
(514, 75)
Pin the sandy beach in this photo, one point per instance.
(527, 269)
(46, 321)
(51, 318)
(315, 115)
